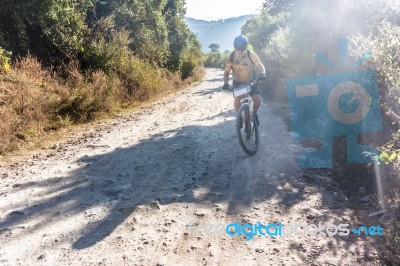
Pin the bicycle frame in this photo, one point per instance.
(248, 136)
(247, 100)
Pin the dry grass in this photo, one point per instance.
(26, 92)
(389, 245)
(35, 102)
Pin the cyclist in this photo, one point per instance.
(246, 67)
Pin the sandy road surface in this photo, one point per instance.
(125, 192)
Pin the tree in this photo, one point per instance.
(98, 33)
(52, 30)
(214, 48)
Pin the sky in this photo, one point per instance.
(221, 9)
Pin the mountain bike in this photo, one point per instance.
(246, 127)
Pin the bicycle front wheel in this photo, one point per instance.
(247, 130)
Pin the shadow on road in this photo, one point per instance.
(169, 167)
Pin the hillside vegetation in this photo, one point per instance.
(65, 62)
(289, 35)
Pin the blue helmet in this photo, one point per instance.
(240, 42)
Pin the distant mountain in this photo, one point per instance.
(221, 31)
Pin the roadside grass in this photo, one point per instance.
(36, 104)
(389, 244)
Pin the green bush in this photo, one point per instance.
(88, 98)
(107, 49)
(142, 80)
(106, 55)
(100, 34)
(289, 33)
(216, 59)
(383, 44)
(5, 60)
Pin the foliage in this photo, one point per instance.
(106, 52)
(76, 60)
(270, 42)
(99, 33)
(157, 31)
(389, 246)
(384, 43)
(216, 59)
(34, 101)
(214, 47)
(185, 50)
(52, 30)
(5, 60)
(289, 33)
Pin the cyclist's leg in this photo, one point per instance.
(256, 102)
(236, 103)
(255, 94)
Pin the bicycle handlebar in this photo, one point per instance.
(252, 83)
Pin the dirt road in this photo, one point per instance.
(137, 190)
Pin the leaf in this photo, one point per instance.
(384, 157)
(7, 66)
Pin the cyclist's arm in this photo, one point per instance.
(261, 69)
(228, 68)
(257, 62)
(226, 77)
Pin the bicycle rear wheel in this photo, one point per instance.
(247, 130)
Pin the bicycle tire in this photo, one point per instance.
(240, 118)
